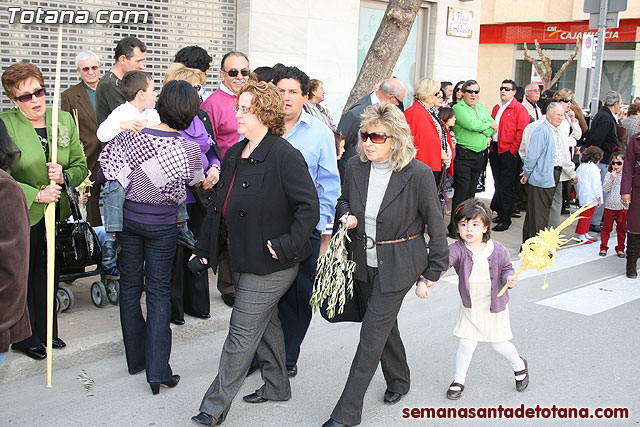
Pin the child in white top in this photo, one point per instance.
(483, 267)
(588, 189)
(613, 207)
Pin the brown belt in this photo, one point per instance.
(404, 239)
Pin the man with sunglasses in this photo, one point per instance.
(234, 72)
(129, 55)
(82, 98)
(391, 90)
(512, 117)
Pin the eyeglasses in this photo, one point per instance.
(564, 100)
(469, 91)
(375, 137)
(243, 110)
(198, 88)
(233, 72)
(505, 88)
(29, 96)
(92, 68)
(616, 163)
(439, 95)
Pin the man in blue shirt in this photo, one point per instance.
(316, 143)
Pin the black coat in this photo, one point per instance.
(349, 125)
(409, 203)
(603, 134)
(272, 198)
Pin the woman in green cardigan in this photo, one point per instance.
(474, 126)
(29, 126)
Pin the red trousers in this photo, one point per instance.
(620, 218)
(585, 219)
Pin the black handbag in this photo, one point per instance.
(354, 308)
(77, 244)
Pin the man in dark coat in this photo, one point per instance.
(82, 98)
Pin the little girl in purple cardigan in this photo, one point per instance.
(483, 267)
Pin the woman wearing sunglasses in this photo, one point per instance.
(387, 199)
(474, 126)
(29, 126)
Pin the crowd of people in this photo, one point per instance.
(247, 179)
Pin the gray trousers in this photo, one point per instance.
(379, 342)
(556, 207)
(254, 326)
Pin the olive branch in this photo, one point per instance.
(334, 279)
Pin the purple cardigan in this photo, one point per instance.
(500, 267)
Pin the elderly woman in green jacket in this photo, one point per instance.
(474, 126)
(29, 126)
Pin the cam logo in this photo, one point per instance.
(552, 32)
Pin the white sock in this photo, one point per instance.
(588, 236)
(509, 352)
(583, 237)
(463, 360)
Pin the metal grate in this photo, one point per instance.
(171, 25)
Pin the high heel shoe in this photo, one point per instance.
(155, 386)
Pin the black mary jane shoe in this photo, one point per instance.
(178, 322)
(254, 398)
(58, 343)
(455, 394)
(292, 371)
(523, 383)
(333, 423)
(38, 352)
(391, 397)
(206, 419)
(155, 385)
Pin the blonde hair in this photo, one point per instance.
(178, 71)
(425, 88)
(563, 93)
(389, 116)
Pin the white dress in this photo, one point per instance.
(478, 323)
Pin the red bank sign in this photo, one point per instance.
(556, 32)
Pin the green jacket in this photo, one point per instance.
(30, 170)
(472, 126)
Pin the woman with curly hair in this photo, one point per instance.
(266, 208)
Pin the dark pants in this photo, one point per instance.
(505, 171)
(538, 207)
(294, 309)
(37, 289)
(521, 189)
(467, 168)
(380, 342)
(254, 326)
(145, 263)
(225, 281)
(189, 292)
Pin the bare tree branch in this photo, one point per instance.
(546, 76)
(566, 64)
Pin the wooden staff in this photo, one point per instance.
(50, 214)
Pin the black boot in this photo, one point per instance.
(633, 250)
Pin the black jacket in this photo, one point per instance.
(603, 134)
(272, 198)
(409, 203)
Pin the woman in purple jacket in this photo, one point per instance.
(189, 291)
(483, 267)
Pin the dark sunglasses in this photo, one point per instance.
(616, 163)
(27, 97)
(92, 68)
(233, 72)
(508, 89)
(565, 100)
(472, 91)
(197, 87)
(375, 137)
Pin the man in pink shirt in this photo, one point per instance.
(220, 106)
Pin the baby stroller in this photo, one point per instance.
(78, 247)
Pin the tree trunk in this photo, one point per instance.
(385, 49)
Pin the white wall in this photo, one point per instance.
(319, 37)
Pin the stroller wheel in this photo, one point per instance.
(65, 298)
(98, 294)
(113, 291)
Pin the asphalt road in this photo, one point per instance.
(580, 337)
